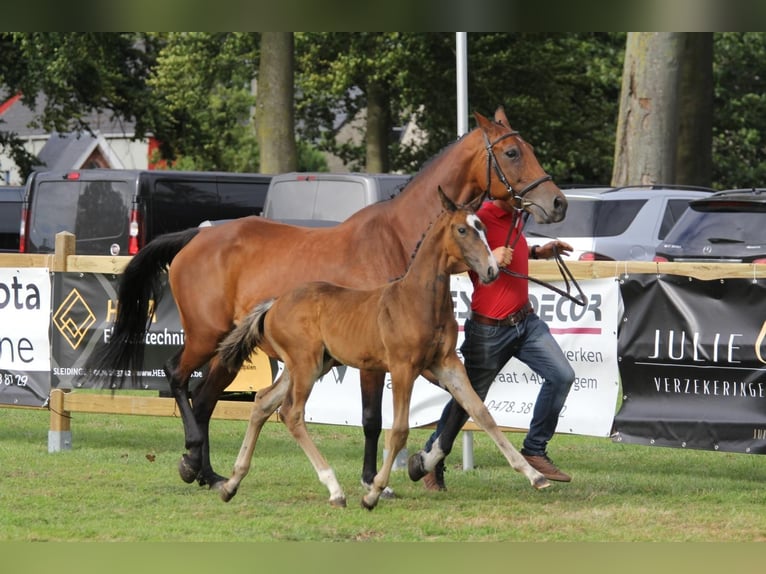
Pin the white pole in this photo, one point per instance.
(461, 57)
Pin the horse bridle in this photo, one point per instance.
(519, 220)
(512, 194)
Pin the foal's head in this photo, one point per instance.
(466, 239)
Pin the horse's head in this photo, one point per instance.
(467, 240)
(513, 173)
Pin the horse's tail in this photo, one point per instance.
(138, 295)
(239, 344)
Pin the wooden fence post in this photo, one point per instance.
(59, 433)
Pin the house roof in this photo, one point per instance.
(72, 150)
(16, 116)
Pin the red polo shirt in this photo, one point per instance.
(507, 294)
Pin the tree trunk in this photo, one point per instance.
(694, 157)
(274, 116)
(378, 129)
(647, 126)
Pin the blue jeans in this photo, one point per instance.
(487, 349)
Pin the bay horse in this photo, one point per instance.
(404, 327)
(217, 274)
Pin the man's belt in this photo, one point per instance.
(512, 319)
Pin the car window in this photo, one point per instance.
(590, 218)
(673, 211)
(697, 229)
(97, 213)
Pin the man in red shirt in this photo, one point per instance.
(501, 325)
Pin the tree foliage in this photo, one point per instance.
(739, 109)
(201, 90)
(193, 91)
(72, 74)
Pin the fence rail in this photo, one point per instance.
(64, 259)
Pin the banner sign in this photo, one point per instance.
(84, 310)
(83, 314)
(25, 305)
(693, 363)
(588, 336)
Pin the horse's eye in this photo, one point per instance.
(461, 230)
(512, 153)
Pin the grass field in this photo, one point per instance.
(119, 483)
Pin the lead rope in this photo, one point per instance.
(566, 274)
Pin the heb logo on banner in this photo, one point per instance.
(25, 296)
(73, 318)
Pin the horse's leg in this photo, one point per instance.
(204, 399)
(372, 384)
(452, 376)
(293, 415)
(189, 465)
(403, 380)
(422, 462)
(266, 402)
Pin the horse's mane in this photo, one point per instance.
(418, 245)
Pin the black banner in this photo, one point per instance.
(84, 308)
(693, 363)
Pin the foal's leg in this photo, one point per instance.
(402, 380)
(293, 415)
(452, 376)
(266, 402)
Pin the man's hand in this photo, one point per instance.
(503, 255)
(546, 251)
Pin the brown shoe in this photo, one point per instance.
(434, 480)
(545, 466)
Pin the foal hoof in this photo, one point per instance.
(338, 502)
(388, 492)
(368, 505)
(226, 494)
(187, 471)
(540, 482)
(415, 466)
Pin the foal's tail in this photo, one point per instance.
(239, 344)
(140, 288)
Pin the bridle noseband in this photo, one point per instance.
(512, 194)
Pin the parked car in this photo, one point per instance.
(616, 223)
(11, 200)
(727, 227)
(116, 211)
(318, 199)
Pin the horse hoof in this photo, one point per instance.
(338, 502)
(368, 505)
(415, 466)
(540, 482)
(187, 472)
(226, 494)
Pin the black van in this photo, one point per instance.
(11, 200)
(116, 212)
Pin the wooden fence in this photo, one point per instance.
(63, 403)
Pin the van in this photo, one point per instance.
(116, 212)
(11, 200)
(319, 198)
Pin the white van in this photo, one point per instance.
(305, 198)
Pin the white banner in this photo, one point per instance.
(588, 336)
(25, 315)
